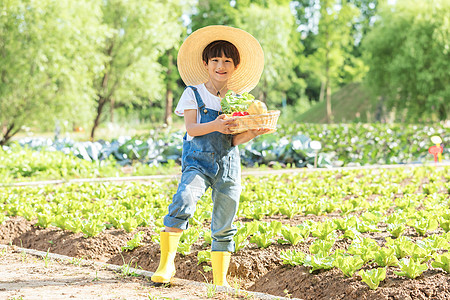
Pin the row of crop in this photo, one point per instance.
(316, 193)
(23, 164)
(342, 144)
(397, 202)
(374, 143)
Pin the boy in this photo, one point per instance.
(211, 61)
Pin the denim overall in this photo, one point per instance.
(209, 160)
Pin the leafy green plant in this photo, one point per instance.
(385, 257)
(346, 223)
(290, 209)
(324, 230)
(442, 261)
(444, 222)
(424, 224)
(403, 246)
(264, 237)
(421, 254)
(411, 268)
(373, 277)
(135, 242)
(317, 262)
(305, 229)
(242, 234)
(292, 257)
(364, 248)
(187, 239)
(321, 248)
(44, 220)
(396, 229)
(207, 237)
(292, 234)
(434, 243)
(92, 227)
(203, 256)
(74, 224)
(130, 224)
(263, 240)
(348, 264)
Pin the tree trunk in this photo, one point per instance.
(329, 112)
(8, 133)
(169, 92)
(322, 91)
(101, 103)
(111, 110)
(169, 106)
(328, 87)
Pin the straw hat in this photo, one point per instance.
(246, 76)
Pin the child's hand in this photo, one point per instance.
(223, 126)
(259, 131)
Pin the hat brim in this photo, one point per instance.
(248, 72)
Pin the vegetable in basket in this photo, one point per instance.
(241, 105)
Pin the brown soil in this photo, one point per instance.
(252, 268)
(24, 276)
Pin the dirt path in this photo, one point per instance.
(26, 276)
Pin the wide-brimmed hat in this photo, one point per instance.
(248, 73)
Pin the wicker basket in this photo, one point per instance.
(244, 123)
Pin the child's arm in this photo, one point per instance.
(196, 129)
(247, 136)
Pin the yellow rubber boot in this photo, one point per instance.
(168, 245)
(220, 262)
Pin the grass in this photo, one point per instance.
(126, 268)
(349, 104)
(46, 259)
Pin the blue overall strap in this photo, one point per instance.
(197, 97)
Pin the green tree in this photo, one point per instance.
(333, 46)
(273, 27)
(139, 33)
(48, 59)
(213, 12)
(408, 53)
(308, 18)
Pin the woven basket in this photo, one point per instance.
(244, 123)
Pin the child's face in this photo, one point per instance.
(220, 68)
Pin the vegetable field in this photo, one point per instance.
(375, 233)
(342, 145)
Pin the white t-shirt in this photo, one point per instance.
(188, 101)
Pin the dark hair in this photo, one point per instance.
(219, 48)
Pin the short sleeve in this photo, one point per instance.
(187, 101)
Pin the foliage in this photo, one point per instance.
(373, 277)
(292, 257)
(138, 33)
(333, 46)
(273, 26)
(92, 208)
(348, 264)
(411, 268)
(187, 239)
(408, 55)
(385, 257)
(203, 256)
(135, 242)
(442, 261)
(50, 54)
